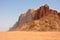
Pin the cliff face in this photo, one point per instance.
(42, 19)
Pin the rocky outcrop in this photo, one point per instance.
(23, 19)
(43, 10)
(42, 19)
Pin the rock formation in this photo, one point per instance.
(42, 19)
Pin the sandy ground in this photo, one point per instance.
(22, 35)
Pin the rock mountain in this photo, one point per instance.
(42, 19)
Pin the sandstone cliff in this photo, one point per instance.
(42, 19)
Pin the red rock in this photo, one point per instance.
(42, 19)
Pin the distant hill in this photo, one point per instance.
(41, 19)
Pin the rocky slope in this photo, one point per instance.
(42, 19)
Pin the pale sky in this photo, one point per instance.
(11, 9)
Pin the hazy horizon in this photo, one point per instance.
(10, 10)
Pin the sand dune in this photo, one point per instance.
(23, 35)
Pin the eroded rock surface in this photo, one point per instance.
(42, 19)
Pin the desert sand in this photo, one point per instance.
(23, 35)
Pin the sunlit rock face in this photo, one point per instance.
(24, 18)
(42, 19)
